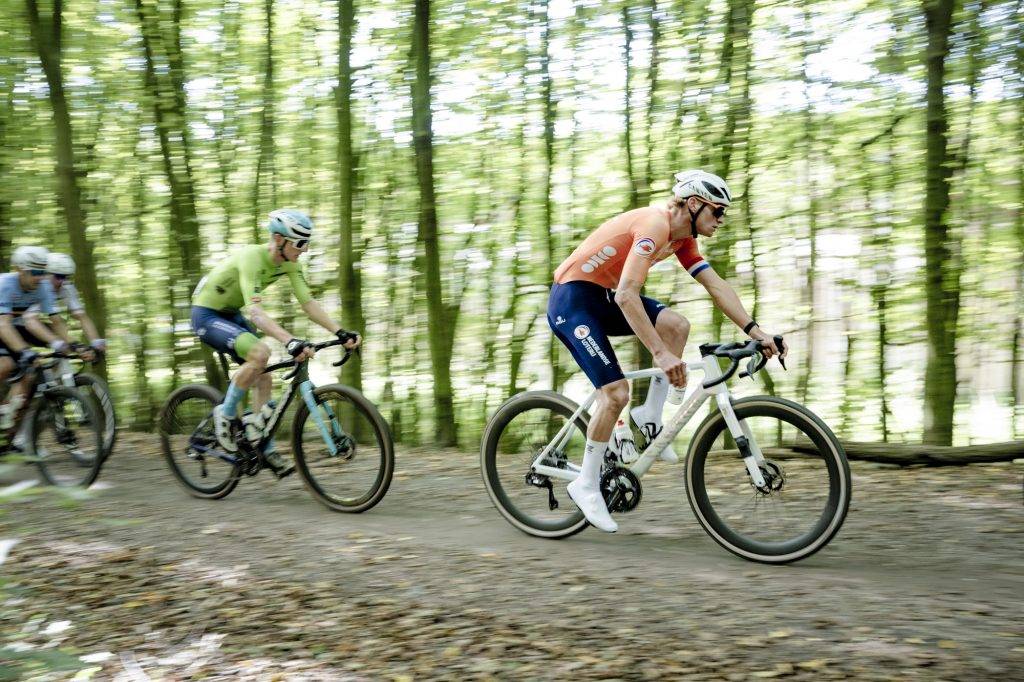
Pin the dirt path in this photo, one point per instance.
(925, 580)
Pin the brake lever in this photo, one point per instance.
(778, 344)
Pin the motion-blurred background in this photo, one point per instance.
(453, 153)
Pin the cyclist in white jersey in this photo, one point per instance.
(20, 290)
(61, 269)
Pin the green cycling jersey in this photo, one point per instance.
(240, 279)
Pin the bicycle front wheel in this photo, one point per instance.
(190, 444)
(357, 474)
(517, 433)
(95, 389)
(66, 438)
(807, 494)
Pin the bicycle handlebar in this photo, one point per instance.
(736, 351)
(317, 347)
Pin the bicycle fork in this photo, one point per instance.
(744, 437)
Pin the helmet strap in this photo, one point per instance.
(693, 218)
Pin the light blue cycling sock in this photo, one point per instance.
(269, 450)
(231, 400)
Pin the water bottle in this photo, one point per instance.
(676, 395)
(623, 437)
(253, 424)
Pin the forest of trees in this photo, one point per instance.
(453, 152)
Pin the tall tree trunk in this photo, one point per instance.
(440, 315)
(6, 112)
(809, 146)
(349, 280)
(263, 188)
(549, 163)
(46, 38)
(166, 87)
(1018, 318)
(735, 71)
(653, 73)
(142, 419)
(627, 110)
(941, 268)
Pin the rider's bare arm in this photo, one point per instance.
(88, 327)
(726, 299)
(266, 324)
(11, 338)
(60, 330)
(316, 314)
(627, 296)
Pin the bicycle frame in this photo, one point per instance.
(299, 381)
(740, 431)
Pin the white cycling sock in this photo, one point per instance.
(593, 457)
(656, 395)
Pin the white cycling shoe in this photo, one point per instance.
(651, 429)
(588, 498)
(222, 428)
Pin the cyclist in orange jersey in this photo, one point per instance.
(596, 294)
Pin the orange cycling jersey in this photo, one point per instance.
(628, 244)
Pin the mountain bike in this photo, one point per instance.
(91, 387)
(62, 428)
(766, 478)
(341, 444)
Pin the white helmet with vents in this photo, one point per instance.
(707, 186)
(30, 257)
(60, 264)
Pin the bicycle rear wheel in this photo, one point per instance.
(515, 435)
(808, 492)
(190, 445)
(357, 476)
(66, 438)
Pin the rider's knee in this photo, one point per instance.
(259, 354)
(6, 365)
(616, 394)
(674, 323)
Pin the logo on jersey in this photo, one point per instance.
(582, 331)
(598, 259)
(644, 247)
(559, 320)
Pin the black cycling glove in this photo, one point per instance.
(296, 346)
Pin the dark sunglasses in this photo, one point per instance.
(37, 273)
(60, 277)
(716, 210)
(299, 243)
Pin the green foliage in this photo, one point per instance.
(842, 139)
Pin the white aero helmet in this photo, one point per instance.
(30, 257)
(60, 264)
(707, 186)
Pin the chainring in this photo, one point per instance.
(621, 489)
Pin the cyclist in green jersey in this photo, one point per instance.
(238, 282)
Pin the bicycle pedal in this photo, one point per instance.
(281, 473)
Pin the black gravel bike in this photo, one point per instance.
(341, 444)
(90, 386)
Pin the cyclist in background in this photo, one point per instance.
(19, 291)
(61, 269)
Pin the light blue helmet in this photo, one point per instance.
(295, 226)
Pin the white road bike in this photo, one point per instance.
(766, 477)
